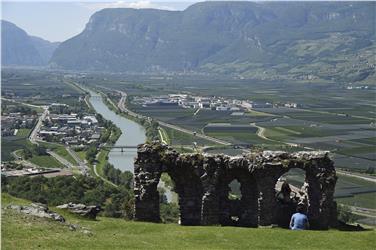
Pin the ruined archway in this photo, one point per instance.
(244, 210)
(189, 189)
(201, 182)
(289, 195)
(168, 202)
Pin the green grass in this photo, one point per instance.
(64, 153)
(8, 145)
(179, 138)
(240, 137)
(367, 200)
(23, 132)
(45, 161)
(257, 113)
(81, 154)
(60, 150)
(164, 136)
(22, 232)
(357, 150)
(102, 161)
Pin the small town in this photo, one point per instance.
(210, 103)
(69, 128)
(12, 123)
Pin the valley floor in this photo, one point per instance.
(21, 232)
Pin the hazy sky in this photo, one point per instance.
(59, 20)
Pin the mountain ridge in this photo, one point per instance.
(21, 49)
(240, 38)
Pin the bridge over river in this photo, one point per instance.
(121, 147)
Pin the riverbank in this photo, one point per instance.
(132, 132)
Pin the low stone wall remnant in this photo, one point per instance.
(202, 180)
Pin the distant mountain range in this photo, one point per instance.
(308, 41)
(19, 48)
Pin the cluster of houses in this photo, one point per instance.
(8, 170)
(188, 101)
(200, 102)
(11, 122)
(70, 129)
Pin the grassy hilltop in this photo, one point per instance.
(21, 232)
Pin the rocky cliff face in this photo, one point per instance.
(221, 37)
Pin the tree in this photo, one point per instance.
(370, 170)
(345, 214)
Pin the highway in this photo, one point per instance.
(33, 135)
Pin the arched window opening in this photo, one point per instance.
(289, 195)
(168, 200)
(234, 192)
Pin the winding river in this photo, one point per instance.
(132, 134)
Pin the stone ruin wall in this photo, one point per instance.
(202, 180)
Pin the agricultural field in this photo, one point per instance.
(37, 87)
(331, 115)
(179, 138)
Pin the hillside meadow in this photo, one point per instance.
(22, 232)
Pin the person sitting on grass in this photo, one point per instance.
(299, 221)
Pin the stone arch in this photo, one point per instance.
(286, 206)
(242, 212)
(189, 188)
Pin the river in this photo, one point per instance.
(132, 134)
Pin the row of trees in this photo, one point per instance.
(116, 202)
(12, 108)
(108, 135)
(151, 129)
(118, 177)
(33, 149)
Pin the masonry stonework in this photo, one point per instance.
(202, 183)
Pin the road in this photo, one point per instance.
(98, 175)
(33, 135)
(60, 159)
(360, 176)
(122, 107)
(261, 133)
(23, 103)
(33, 138)
(102, 178)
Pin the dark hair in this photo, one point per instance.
(300, 209)
(285, 188)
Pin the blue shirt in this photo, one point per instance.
(298, 221)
